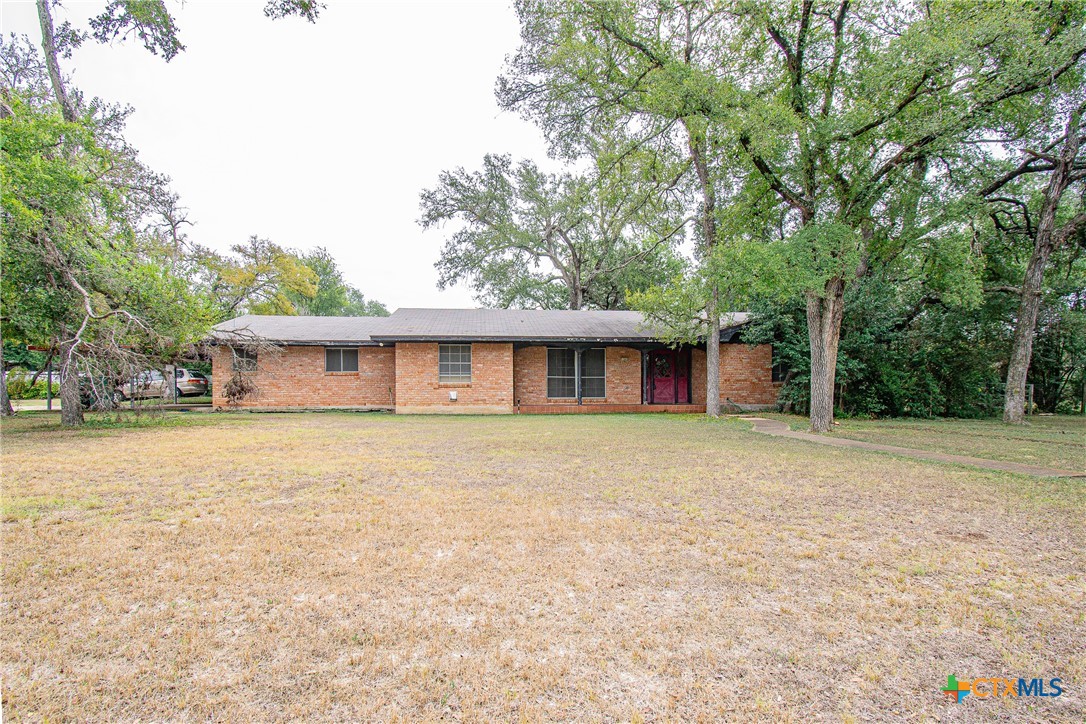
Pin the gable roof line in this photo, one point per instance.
(434, 324)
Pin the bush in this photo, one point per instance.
(19, 387)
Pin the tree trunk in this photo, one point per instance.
(824, 314)
(71, 413)
(576, 297)
(709, 241)
(71, 408)
(6, 410)
(712, 355)
(48, 44)
(1045, 240)
(1014, 397)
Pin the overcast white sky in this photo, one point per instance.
(314, 135)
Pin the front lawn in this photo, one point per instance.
(372, 566)
(1055, 441)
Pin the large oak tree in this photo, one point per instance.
(523, 237)
(850, 115)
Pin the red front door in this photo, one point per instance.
(662, 366)
(669, 377)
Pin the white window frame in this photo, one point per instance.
(447, 377)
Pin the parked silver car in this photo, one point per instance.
(152, 384)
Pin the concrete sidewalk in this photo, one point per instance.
(39, 406)
(28, 405)
(780, 429)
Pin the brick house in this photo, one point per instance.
(484, 361)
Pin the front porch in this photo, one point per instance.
(598, 408)
(604, 378)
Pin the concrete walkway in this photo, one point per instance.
(39, 406)
(780, 429)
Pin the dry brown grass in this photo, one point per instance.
(594, 567)
(1054, 441)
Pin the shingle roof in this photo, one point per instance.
(300, 330)
(520, 324)
(455, 324)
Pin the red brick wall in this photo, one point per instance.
(500, 377)
(746, 375)
(296, 378)
(697, 376)
(622, 369)
(418, 389)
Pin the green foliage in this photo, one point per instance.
(1058, 365)
(22, 386)
(850, 139)
(905, 351)
(358, 306)
(148, 20)
(332, 296)
(305, 9)
(819, 252)
(87, 268)
(79, 263)
(744, 272)
(526, 238)
(675, 311)
(99, 424)
(949, 268)
(260, 277)
(16, 354)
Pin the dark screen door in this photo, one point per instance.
(662, 366)
(682, 377)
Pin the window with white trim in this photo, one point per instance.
(340, 359)
(454, 363)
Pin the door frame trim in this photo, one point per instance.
(648, 388)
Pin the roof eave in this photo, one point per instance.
(298, 342)
(507, 338)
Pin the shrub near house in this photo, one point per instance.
(21, 385)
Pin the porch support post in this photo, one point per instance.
(577, 372)
(644, 375)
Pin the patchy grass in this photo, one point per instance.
(96, 422)
(195, 400)
(160, 401)
(582, 567)
(1055, 441)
